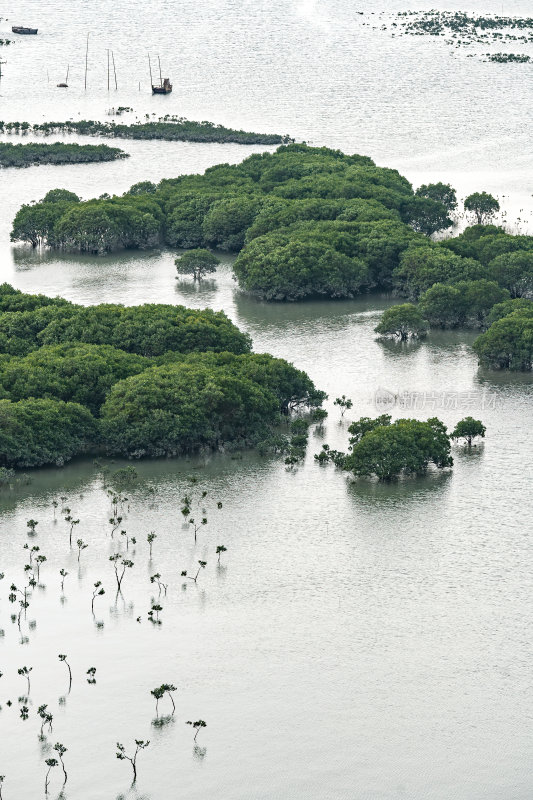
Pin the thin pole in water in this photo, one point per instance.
(108, 70)
(114, 68)
(86, 60)
(150, 68)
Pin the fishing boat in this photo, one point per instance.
(164, 86)
(21, 29)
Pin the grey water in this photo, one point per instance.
(357, 640)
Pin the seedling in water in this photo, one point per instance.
(150, 539)
(160, 691)
(114, 522)
(220, 549)
(61, 750)
(55, 505)
(197, 526)
(91, 672)
(1, 784)
(25, 672)
(81, 546)
(50, 763)
(156, 608)
(125, 564)
(71, 522)
(63, 657)
(97, 592)
(32, 524)
(157, 579)
(197, 725)
(203, 565)
(140, 744)
(24, 712)
(63, 574)
(46, 718)
(39, 561)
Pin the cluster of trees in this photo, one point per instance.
(136, 381)
(174, 130)
(26, 155)
(385, 449)
(305, 221)
(481, 279)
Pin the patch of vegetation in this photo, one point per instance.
(177, 130)
(142, 381)
(35, 153)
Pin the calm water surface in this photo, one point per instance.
(358, 640)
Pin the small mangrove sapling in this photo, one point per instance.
(202, 564)
(125, 564)
(32, 524)
(150, 539)
(160, 691)
(61, 750)
(220, 549)
(63, 657)
(197, 725)
(157, 579)
(97, 592)
(63, 574)
(50, 763)
(46, 718)
(81, 546)
(140, 744)
(156, 608)
(25, 672)
(91, 672)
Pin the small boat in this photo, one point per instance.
(164, 87)
(21, 29)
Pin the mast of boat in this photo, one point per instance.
(108, 69)
(160, 76)
(114, 68)
(150, 68)
(68, 70)
(86, 59)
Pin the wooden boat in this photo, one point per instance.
(164, 86)
(21, 29)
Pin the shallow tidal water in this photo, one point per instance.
(358, 640)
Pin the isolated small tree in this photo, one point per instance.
(63, 574)
(482, 205)
(402, 321)
(114, 522)
(140, 744)
(202, 566)
(157, 579)
(197, 526)
(81, 546)
(220, 549)
(98, 591)
(152, 536)
(155, 609)
(25, 672)
(344, 403)
(54, 506)
(125, 563)
(40, 559)
(32, 524)
(198, 263)
(63, 657)
(61, 750)
(50, 763)
(467, 429)
(72, 522)
(160, 691)
(197, 725)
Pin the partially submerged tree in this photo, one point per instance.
(160, 691)
(344, 403)
(98, 591)
(402, 321)
(61, 750)
(202, 566)
(50, 763)
(220, 549)
(197, 726)
(482, 205)
(468, 429)
(198, 263)
(62, 657)
(25, 672)
(152, 536)
(140, 744)
(125, 563)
